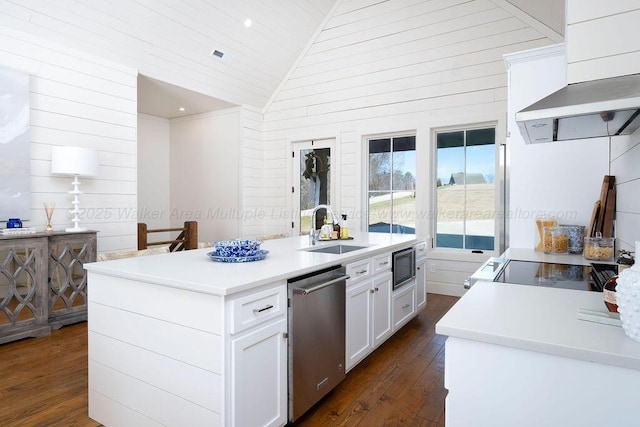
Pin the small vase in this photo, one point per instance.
(48, 210)
(628, 299)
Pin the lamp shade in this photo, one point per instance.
(74, 161)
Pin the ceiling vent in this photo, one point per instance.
(224, 57)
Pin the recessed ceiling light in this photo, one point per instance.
(247, 22)
(181, 109)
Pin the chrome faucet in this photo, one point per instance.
(313, 235)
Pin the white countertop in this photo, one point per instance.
(539, 319)
(529, 254)
(194, 270)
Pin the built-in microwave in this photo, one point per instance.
(404, 267)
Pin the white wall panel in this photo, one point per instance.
(153, 172)
(78, 99)
(601, 39)
(586, 10)
(380, 67)
(206, 172)
(624, 165)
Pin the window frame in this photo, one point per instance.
(500, 195)
(366, 177)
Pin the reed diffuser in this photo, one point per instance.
(48, 210)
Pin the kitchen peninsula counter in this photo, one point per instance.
(523, 349)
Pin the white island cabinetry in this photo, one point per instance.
(258, 381)
(178, 340)
(368, 307)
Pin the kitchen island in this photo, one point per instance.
(518, 355)
(177, 339)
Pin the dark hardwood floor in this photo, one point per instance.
(399, 384)
(44, 380)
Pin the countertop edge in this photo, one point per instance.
(585, 341)
(114, 269)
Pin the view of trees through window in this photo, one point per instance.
(392, 184)
(314, 186)
(465, 193)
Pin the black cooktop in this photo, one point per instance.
(550, 275)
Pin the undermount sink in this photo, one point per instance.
(336, 249)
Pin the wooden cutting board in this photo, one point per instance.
(603, 204)
(609, 211)
(594, 216)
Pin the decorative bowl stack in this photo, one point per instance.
(237, 251)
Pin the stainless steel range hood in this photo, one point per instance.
(584, 110)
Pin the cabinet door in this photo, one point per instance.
(358, 322)
(381, 308)
(421, 283)
(259, 377)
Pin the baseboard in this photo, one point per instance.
(451, 289)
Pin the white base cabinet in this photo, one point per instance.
(368, 307)
(259, 376)
(499, 386)
(381, 308)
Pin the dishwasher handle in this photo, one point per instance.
(306, 291)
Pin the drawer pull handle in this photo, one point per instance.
(406, 306)
(384, 263)
(260, 310)
(371, 291)
(361, 271)
(376, 289)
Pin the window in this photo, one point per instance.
(466, 189)
(392, 182)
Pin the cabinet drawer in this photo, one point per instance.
(404, 305)
(381, 263)
(257, 308)
(359, 269)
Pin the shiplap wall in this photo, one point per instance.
(80, 100)
(392, 66)
(602, 39)
(252, 175)
(625, 158)
(602, 42)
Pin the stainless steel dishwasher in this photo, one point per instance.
(316, 337)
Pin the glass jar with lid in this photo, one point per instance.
(599, 248)
(555, 240)
(541, 223)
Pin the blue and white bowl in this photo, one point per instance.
(237, 248)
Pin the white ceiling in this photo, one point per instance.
(173, 40)
(162, 99)
(256, 58)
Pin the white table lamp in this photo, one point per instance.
(78, 162)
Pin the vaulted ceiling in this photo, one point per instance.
(174, 40)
